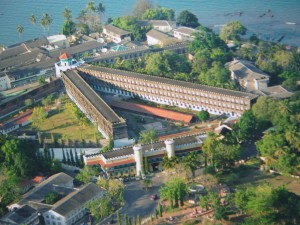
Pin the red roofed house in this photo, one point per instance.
(38, 179)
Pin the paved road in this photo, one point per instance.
(138, 200)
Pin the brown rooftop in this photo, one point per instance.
(116, 30)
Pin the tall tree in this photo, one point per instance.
(67, 14)
(20, 29)
(192, 162)
(188, 19)
(91, 7)
(141, 7)
(32, 19)
(38, 116)
(46, 21)
(232, 30)
(147, 137)
(101, 10)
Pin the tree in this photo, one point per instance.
(141, 6)
(69, 28)
(232, 30)
(100, 9)
(38, 116)
(192, 161)
(20, 29)
(52, 197)
(147, 137)
(47, 101)
(147, 183)
(32, 19)
(28, 102)
(158, 13)
(91, 7)
(64, 157)
(119, 218)
(67, 14)
(169, 163)
(174, 190)
(46, 21)
(187, 19)
(87, 174)
(203, 115)
(100, 208)
(56, 166)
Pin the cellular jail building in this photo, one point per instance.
(167, 91)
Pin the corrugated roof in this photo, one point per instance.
(158, 35)
(186, 30)
(76, 199)
(93, 97)
(153, 111)
(113, 29)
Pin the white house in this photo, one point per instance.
(161, 25)
(59, 40)
(72, 208)
(184, 33)
(66, 63)
(155, 37)
(4, 82)
(254, 80)
(116, 34)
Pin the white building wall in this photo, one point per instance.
(152, 41)
(4, 83)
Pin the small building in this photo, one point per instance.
(247, 75)
(185, 33)
(72, 208)
(38, 179)
(116, 34)
(155, 37)
(161, 25)
(24, 215)
(254, 80)
(66, 63)
(59, 41)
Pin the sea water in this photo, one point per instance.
(269, 19)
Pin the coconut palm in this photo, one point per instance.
(100, 9)
(32, 19)
(67, 14)
(46, 21)
(20, 29)
(82, 17)
(91, 7)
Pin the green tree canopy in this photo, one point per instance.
(38, 116)
(146, 137)
(158, 13)
(86, 175)
(203, 115)
(188, 19)
(232, 30)
(69, 28)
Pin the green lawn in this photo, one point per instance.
(249, 174)
(63, 125)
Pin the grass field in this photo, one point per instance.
(249, 174)
(63, 125)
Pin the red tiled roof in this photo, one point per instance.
(109, 165)
(168, 114)
(65, 56)
(120, 163)
(38, 179)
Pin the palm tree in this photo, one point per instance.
(91, 6)
(284, 108)
(293, 138)
(20, 29)
(82, 17)
(100, 9)
(46, 21)
(67, 14)
(32, 19)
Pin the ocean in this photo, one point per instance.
(269, 19)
